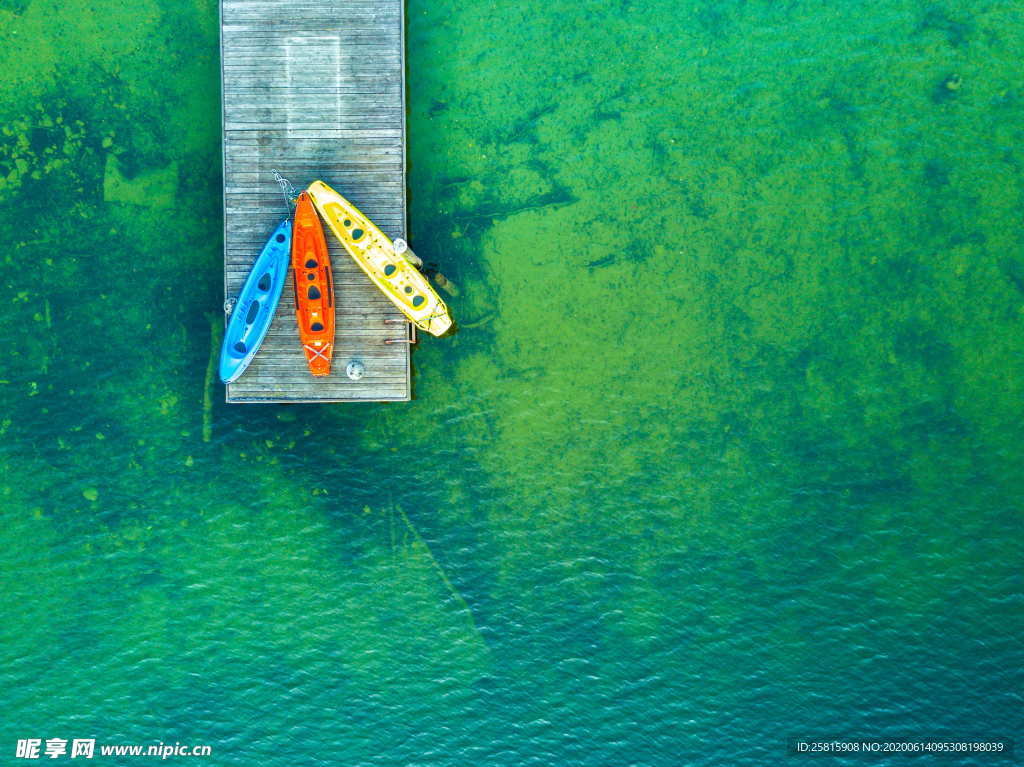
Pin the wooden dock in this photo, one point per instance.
(316, 90)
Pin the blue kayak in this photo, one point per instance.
(257, 302)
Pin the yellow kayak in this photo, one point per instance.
(399, 280)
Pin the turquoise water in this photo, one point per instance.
(727, 450)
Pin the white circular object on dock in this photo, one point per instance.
(400, 245)
(355, 370)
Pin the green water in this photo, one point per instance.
(727, 451)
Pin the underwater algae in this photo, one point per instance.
(728, 442)
(754, 267)
(765, 355)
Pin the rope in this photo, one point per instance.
(436, 314)
(321, 353)
(288, 190)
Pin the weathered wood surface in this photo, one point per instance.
(316, 90)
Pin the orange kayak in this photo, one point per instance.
(314, 288)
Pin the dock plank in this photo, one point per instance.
(316, 90)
